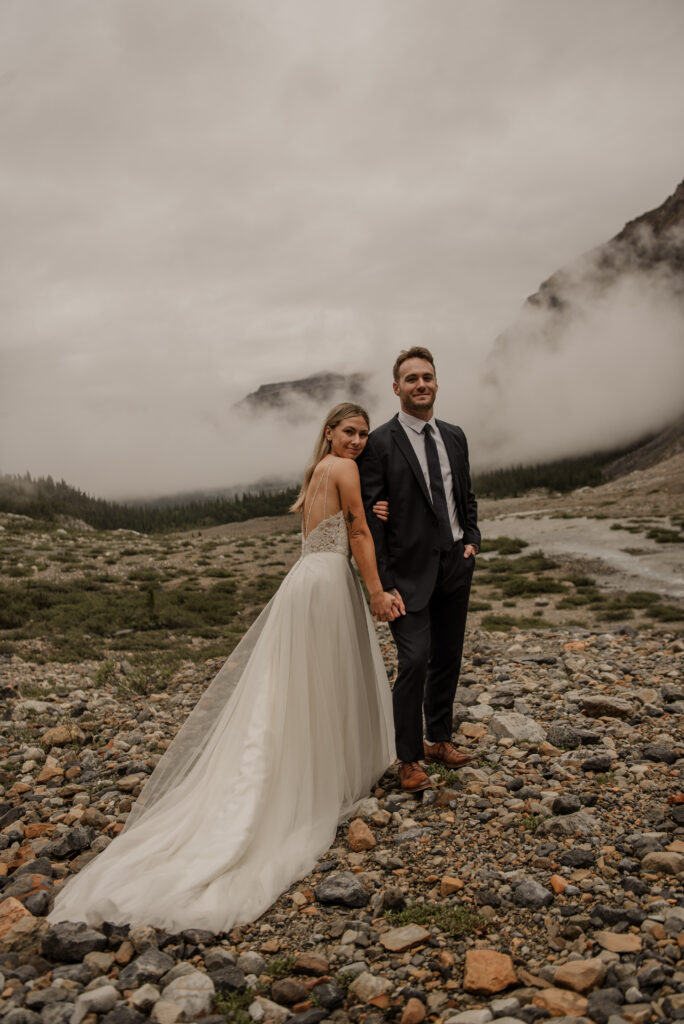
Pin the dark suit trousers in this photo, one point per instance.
(429, 647)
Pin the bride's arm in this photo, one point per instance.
(346, 476)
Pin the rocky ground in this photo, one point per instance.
(545, 881)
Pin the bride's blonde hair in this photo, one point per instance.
(322, 447)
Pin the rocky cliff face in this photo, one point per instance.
(320, 390)
(594, 358)
(655, 240)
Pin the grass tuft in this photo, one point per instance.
(456, 920)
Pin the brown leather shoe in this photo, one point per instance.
(447, 754)
(412, 777)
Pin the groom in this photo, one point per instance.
(426, 551)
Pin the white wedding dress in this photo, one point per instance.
(293, 731)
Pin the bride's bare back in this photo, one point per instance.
(322, 498)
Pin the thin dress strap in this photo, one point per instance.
(315, 495)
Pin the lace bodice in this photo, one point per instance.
(330, 535)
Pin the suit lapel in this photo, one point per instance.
(455, 461)
(406, 448)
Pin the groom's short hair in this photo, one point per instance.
(417, 352)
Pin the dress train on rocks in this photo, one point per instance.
(291, 734)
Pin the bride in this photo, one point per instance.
(293, 731)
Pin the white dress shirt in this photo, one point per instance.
(413, 427)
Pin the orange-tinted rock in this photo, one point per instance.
(581, 975)
(19, 930)
(558, 883)
(310, 963)
(618, 942)
(50, 770)
(449, 885)
(11, 911)
(474, 730)
(487, 971)
(360, 836)
(61, 736)
(414, 1012)
(38, 828)
(125, 952)
(560, 1002)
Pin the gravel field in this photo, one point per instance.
(545, 881)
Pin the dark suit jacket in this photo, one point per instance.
(407, 547)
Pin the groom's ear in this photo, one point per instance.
(395, 387)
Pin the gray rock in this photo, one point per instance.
(179, 970)
(312, 1016)
(193, 993)
(70, 941)
(40, 866)
(198, 936)
(266, 1010)
(507, 1006)
(329, 995)
(659, 752)
(674, 921)
(145, 997)
(149, 966)
(251, 963)
(40, 997)
(563, 736)
(411, 834)
(342, 888)
(288, 991)
(570, 824)
(21, 1016)
(577, 858)
(597, 763)
(517, 727)
(603, 1003)
(528, 893)
(75, 840)
(566, 803)
(123, 1014)
(472, 1017)
(464, 695)
(393, 898)
(97, 1000)
(230, 978)
(38, 903)
(57, 1013)
(218, 957)
(604, 706)
(354, 969)
(81, 973)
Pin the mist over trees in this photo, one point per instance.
(44, 498)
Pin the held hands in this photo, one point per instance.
(381, 509)
(469, 551)
(386, 606)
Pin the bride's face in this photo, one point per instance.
(348, 438)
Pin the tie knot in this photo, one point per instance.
(427, 430)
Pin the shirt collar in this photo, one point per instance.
(413, 422)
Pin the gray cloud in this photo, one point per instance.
(197, 198)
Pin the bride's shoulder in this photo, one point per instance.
(344, 469)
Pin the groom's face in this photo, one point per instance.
(417, 387)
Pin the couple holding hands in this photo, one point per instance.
(299, 723)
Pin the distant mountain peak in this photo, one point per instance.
(319, 390)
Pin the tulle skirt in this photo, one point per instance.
(293, 731)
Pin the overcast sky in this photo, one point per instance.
(198, 197)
